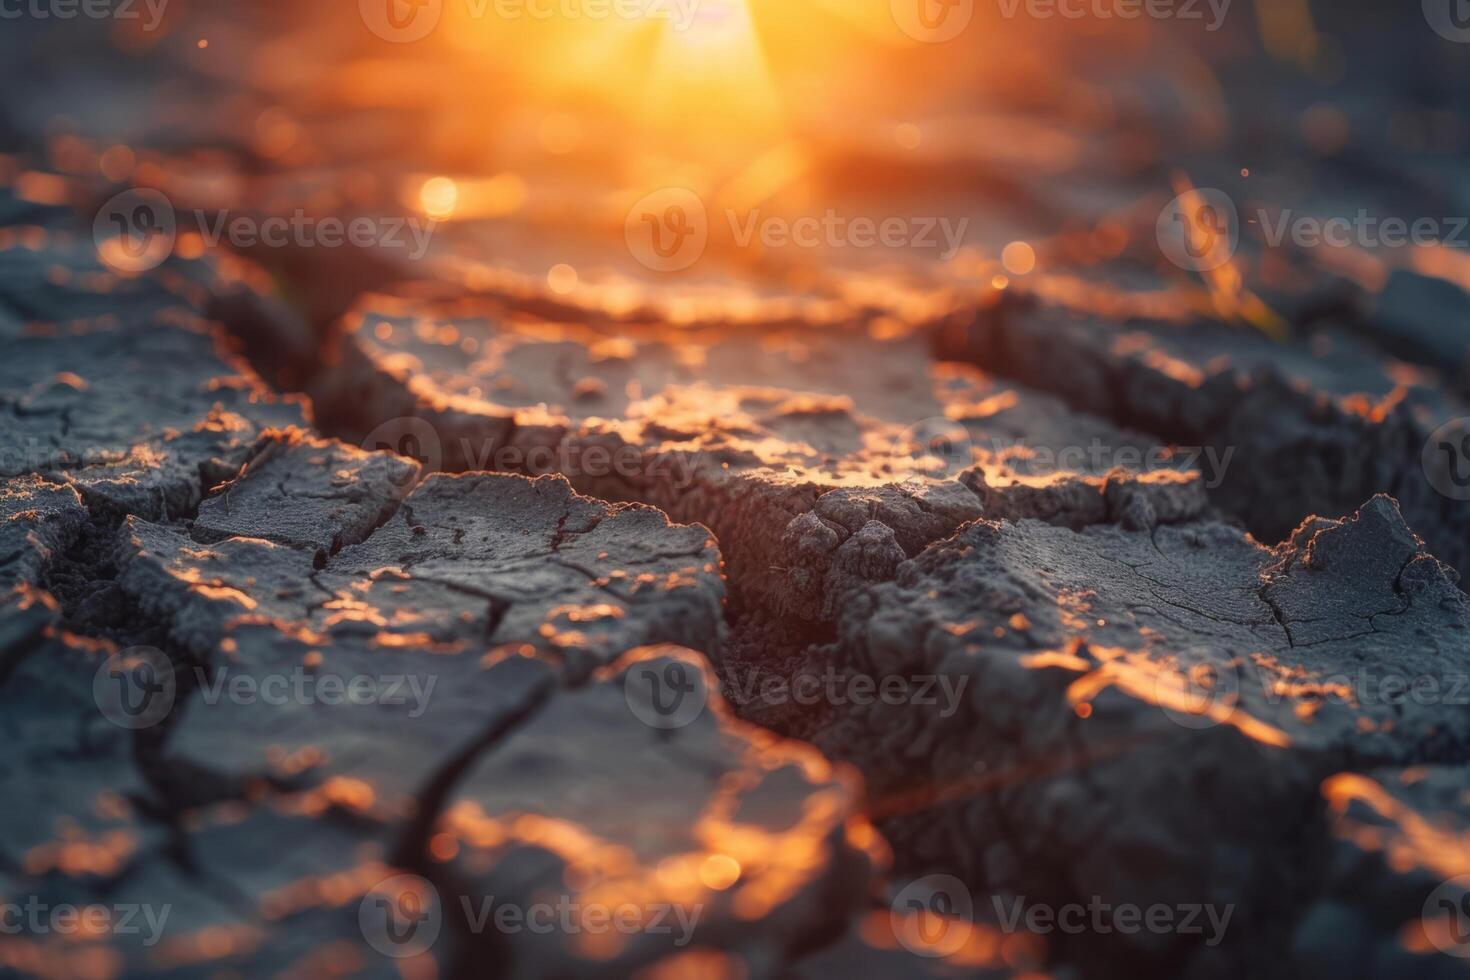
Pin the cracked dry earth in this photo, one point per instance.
(1133, 698)
(359, 584)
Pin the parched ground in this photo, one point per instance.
(365, 615)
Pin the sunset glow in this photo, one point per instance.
(734, 489)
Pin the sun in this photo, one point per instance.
(709, 74)
(685, 91)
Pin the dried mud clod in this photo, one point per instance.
(256, 559)
(822, 456)
(1315, 425)
(1126, 714)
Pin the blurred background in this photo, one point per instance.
(1050, 134)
